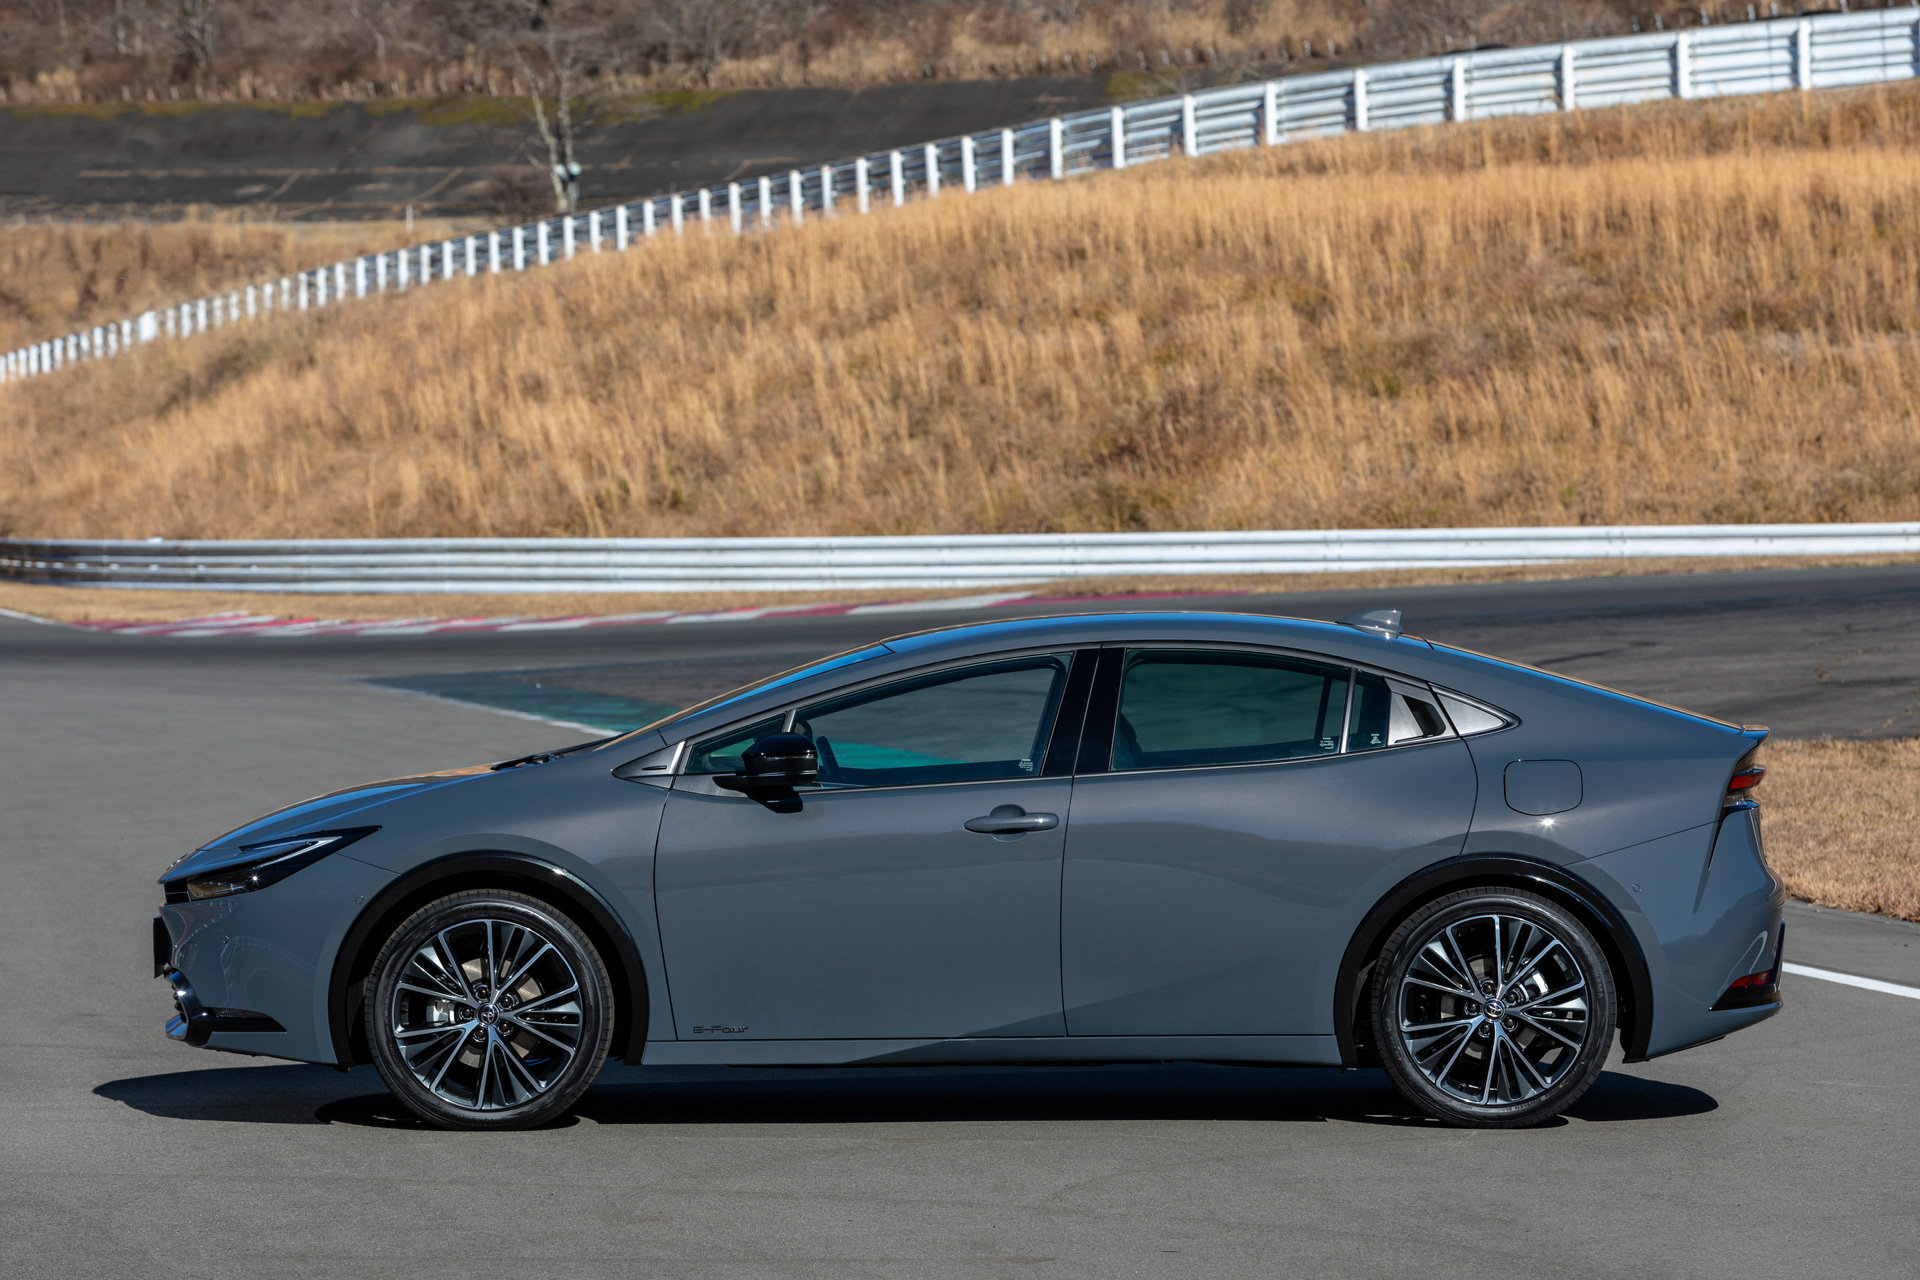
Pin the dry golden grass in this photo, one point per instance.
(57, 278)
(1842, 822)
(1704, 312)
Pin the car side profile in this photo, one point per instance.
(1109, 838)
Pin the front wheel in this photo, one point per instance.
(1493, 1008)
(488, 1010)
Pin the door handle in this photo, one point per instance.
(1012, 820)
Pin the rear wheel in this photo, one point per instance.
(1493, 1008)
(489, 1010)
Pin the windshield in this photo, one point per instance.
(833, 663)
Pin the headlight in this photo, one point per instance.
(275, 861)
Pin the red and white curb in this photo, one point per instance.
(242, 623)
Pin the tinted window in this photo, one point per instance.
(722, 755)
(1382, 718)
(978, 722)
(1372, 712)
(1193, 707)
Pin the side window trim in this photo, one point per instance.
(1069, 721)
(1103, 711)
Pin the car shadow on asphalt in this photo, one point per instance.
(293, 1094)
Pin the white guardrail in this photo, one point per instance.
(1820, 51)
(865, 563)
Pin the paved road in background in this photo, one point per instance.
(1783, 1151)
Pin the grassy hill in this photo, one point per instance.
(1690, 312)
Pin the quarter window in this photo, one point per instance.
(966, 724)
(1185, 707)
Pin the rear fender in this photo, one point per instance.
(1632, 982)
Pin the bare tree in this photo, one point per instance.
(197, 30)
(705, 33)
(381, 21)
(555, 46)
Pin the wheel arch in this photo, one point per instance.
(491, 869)
(1633, 983)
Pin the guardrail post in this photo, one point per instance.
(473, 256)
(797, 197)
(1359, 99)
(1117, 138)
(359, 277)
(1270, 132)
(733, 206)
(303, 293)
(706, 209)
(1006, 157)
(543, 239)
(677, 213)
(1683, 65)
(1056, 149)
(897, 175)
(286, 292)
(493, 253)
(568, 241)
(253, 303)
(1189, 128)
(593, 230)
(519, 251)
(1457, 90)
(339, 281)
(967, 174)
(1803, 54)
(646, 219)
(826, 190)
(380, 274)
(766, 202)
(620, 238)
(1569, 91)
(860, 182)
(931, 162)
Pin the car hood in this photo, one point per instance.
(348, 807)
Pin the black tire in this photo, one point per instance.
(1493, 1061)
(489, 1010)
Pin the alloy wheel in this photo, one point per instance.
(487, 1014)
(1493, 1010)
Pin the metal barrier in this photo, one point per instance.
(1822, 51)
(922, 563)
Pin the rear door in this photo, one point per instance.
(913, 893)
(1233, 817)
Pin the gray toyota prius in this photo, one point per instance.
(1127, 837)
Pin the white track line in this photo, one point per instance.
(1849, 980)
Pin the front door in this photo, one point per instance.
(1227, 844)
(867, 907)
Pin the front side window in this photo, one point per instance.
(1187, 707)
(965, 724)
(722, 754)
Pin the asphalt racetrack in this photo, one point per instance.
(1787, 1150)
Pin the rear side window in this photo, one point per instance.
(1183, 707)
(966, 724)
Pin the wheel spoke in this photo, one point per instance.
(1541, 1026)
(528, 1026)
(452, 963)
(549, 998)
(1534, 963)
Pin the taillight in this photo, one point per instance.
(1746, 779)
(1762, 979)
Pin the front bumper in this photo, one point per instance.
(194, 1023)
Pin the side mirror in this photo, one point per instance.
(776, 761)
